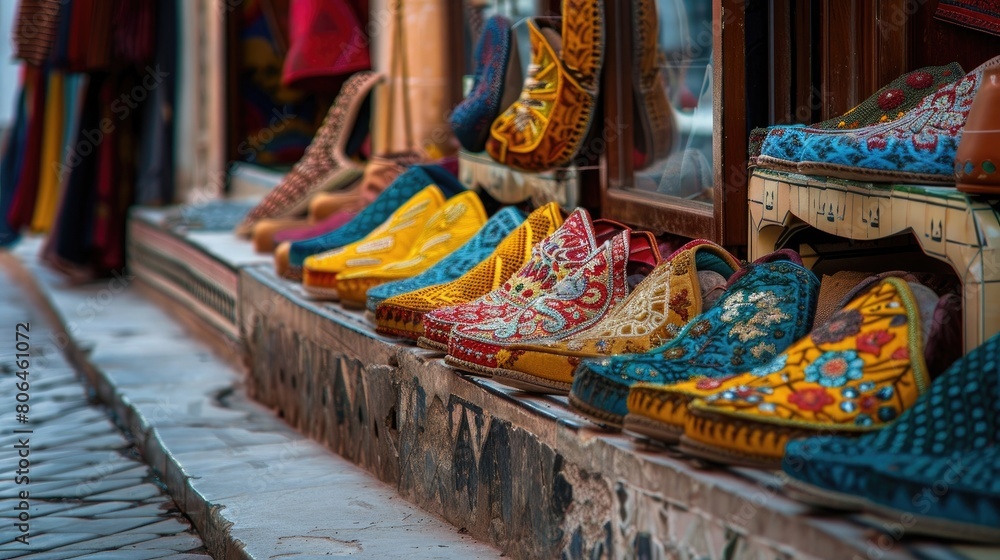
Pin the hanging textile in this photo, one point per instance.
(51, 154)
(71, 162)
(981, 15)
(274, 123)
(11, 164)
(155, 173)
(26, 188)
(315, 26)
(71, 240)
(58, 56)
(90, 33)
(34, 32)
(96, 182)
(412, 106)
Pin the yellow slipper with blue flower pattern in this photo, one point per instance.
(854, 374)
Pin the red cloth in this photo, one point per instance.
(115, 180)
(26, 191)
(90, 26)
(134, 31)
(328, 41)
(105, 181)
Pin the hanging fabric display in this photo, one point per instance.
(71, 165)
(315, 25)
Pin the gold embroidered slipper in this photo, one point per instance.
(547, 125)
(654, 313)
(445, 232)
(403, 315)
(854, 374)
(388, 242)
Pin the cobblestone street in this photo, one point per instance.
(74, 486)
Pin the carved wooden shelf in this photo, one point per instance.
(961, 230)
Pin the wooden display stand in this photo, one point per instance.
(953, 227)
(512, 187)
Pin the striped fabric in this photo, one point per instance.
(35, 30)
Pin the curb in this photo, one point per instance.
(212, 527)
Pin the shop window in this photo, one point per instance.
(679, 168)
(729, 66)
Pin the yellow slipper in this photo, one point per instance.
(547, 125)
(402, 315)
(854, 374)
(447, 230)
(388, 242)
(660, 411)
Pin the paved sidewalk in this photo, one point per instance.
(72, 486)
(254, 487)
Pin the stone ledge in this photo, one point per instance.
(197, 269)
(518, 470)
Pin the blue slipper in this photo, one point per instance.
(955, 496)
(766, 307)
(918, 147)
(497, 84)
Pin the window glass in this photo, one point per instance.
(673, 104)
